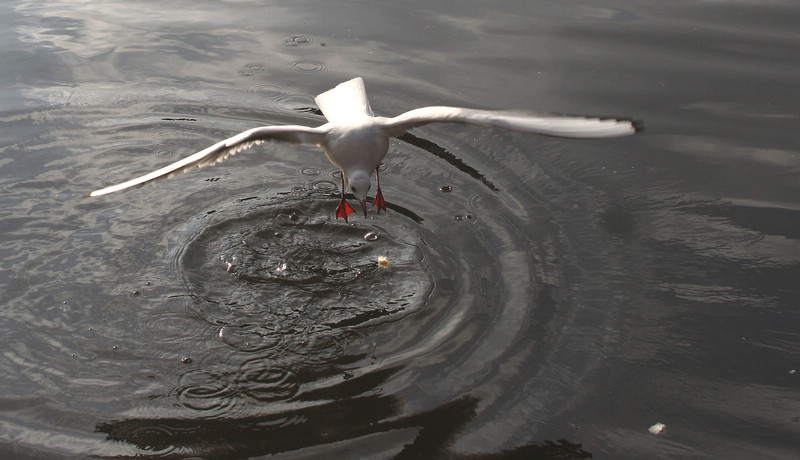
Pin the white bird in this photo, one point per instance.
(356, 141)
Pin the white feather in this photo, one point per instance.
(551, 125)
(356, 141)
(346, 103)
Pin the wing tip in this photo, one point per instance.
(98, 192)
(638, 124)
(102, 192)
(624, 126)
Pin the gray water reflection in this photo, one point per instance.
(555, 301)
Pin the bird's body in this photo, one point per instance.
(356, 146)
(356, 141)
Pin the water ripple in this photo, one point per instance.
(207, 391)
(276, 96)
(249, 336)
(308, 66)
(297, 40)
(251, 69)
(260, 380)
(272, 309)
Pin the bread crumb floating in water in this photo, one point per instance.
(657, 428)
(383, 262)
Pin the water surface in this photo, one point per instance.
(545, 298)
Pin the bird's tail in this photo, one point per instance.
(346, 102)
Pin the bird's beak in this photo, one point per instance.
(363, 206)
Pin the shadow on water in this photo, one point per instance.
(444, 154)
(429, 434)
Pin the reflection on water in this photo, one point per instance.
(544, 298)
(424, 435)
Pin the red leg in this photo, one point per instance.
(379, 201)
(344, 209)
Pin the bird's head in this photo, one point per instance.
(359, 182)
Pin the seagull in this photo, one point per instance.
(356, 141)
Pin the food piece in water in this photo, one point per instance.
(657, 428)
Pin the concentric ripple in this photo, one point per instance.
(292, 269)
(288, 290)
(245, 303)
(275, 96)
(298, 297)
(206, 390)
(308, 65)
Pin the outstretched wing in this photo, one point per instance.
(223, 149)
(345, 103)
(551, 125)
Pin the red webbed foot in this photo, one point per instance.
(379, 201)
(344, 209)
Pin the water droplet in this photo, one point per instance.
(230, 265)
(136, 293)
(249, 337)
(446, 188)
(297, 40)
(186, 360)
(372, 236)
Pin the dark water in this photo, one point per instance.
(545, 298)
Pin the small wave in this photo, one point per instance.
(308, 66)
